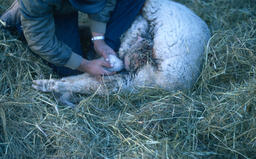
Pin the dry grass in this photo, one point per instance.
(216, 119)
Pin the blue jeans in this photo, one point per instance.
(121, 19)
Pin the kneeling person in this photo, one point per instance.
(51, 30)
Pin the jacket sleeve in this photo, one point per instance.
(39, 30)
(99, 20)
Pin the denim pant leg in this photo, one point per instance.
(121, 19)
(66, 30)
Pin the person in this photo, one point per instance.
(51, 30)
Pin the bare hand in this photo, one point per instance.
(95, 67)
(103, 49)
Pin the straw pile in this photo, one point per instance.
(216, 119)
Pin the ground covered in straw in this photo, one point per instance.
(216, 119)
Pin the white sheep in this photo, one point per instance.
(164, 48)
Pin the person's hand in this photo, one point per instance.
(95, 67)
(101, 47)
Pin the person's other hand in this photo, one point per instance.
(102, 48)
(95, 67)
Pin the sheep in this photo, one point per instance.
(163, 48)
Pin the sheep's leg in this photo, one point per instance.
(54, 85)
(79, 83)
(83, 83)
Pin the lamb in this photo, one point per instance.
(163, 48)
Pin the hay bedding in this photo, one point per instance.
(216, 119)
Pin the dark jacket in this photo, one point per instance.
(37, 18)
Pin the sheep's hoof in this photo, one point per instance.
(44, 85)
(65, 99)
(116, 63)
